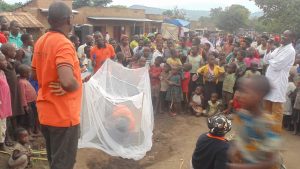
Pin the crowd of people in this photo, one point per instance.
(40, 91)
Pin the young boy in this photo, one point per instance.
(253, 70)
(164, 76)
(211, 148)
(228, 84)
(28, 98)
(154, 72)
(257, 136)
(196, 101)
(185, 82)
(21, 154)
(214, 105)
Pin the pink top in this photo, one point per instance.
(248, 61)
(185, 82)
(28, 94)
(5, 99)
(154, 75)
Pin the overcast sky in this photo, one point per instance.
(186, 4)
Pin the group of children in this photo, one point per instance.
(18, 113)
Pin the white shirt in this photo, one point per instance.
(280, 62)
(260, 50)
(80, 50)
(156, 54)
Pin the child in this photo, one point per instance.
(257, 134)
(185, 83)
(228, 84)
(211, 148)
(296, 113)
(164, 76)
(211, 73)
(213, 105)
(154, 72)
(9, 52)
(251, 57)
(253, 70)
(196, 102)
(174, 60)
(20, 158)
(141, 62)
(28, 97)
(288, 109)
(120, 58)
(241, 67)
(5, 101)
(174, 92)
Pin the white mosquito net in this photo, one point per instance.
(117, 113)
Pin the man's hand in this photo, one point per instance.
(56, 89)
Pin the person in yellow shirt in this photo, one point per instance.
(211, 73)
(174, 60)
(135, 42)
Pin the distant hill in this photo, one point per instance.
(190, 14)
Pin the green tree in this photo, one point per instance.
(5, 7)
(231, 18)
(176, 13)
(280, 14)
(82, 3)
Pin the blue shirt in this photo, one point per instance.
(16, 40)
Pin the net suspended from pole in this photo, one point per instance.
(117, 113)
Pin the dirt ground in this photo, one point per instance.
(173, 143)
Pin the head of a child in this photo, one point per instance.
(195, 50)
(122, 124)
(252, 91)
(253, 66)
(211, 59)
(27, 39)
(166, 68)
(214, 97)
(170, 43)
(251, 52)
(141, 43)
(120, 57)
(8, 50)
(174, 53)
(146, 52)
(24, 71)
(22, 136)
(187, 67)
(158, 60)
(241, 54)
(142, 61)
(199, 90)
(207, 46)
(3, 62)
(218, 125)
(231, 68)
(175, 70)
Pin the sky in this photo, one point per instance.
(185, 4)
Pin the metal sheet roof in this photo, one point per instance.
(121, 19)
(26, 20)
(45, 10)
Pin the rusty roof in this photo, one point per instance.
(26, 20)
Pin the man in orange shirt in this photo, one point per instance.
(56, 68)
(100, 52)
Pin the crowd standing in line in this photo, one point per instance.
(40, 89)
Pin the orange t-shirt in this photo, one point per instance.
(101, 54)
(53, 50)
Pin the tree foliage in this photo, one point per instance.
(280, 14)
(82, 3)
(231, 18)
(5, 7)
(175, 13)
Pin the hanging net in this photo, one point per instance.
(117, 113)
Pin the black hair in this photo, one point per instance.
(21, 69)
(265, 37)
(25, 37)
(259, 84)
(73, 38)
(208, 44)
(120, 54)
(19, 131)
(4, 27)
(5, 47)
(13, 23)
(197, 41)
(159, 58)
(58, 13)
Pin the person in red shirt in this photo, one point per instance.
(155, 71)
(100, 52)
(185, 82)
(4, 27)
